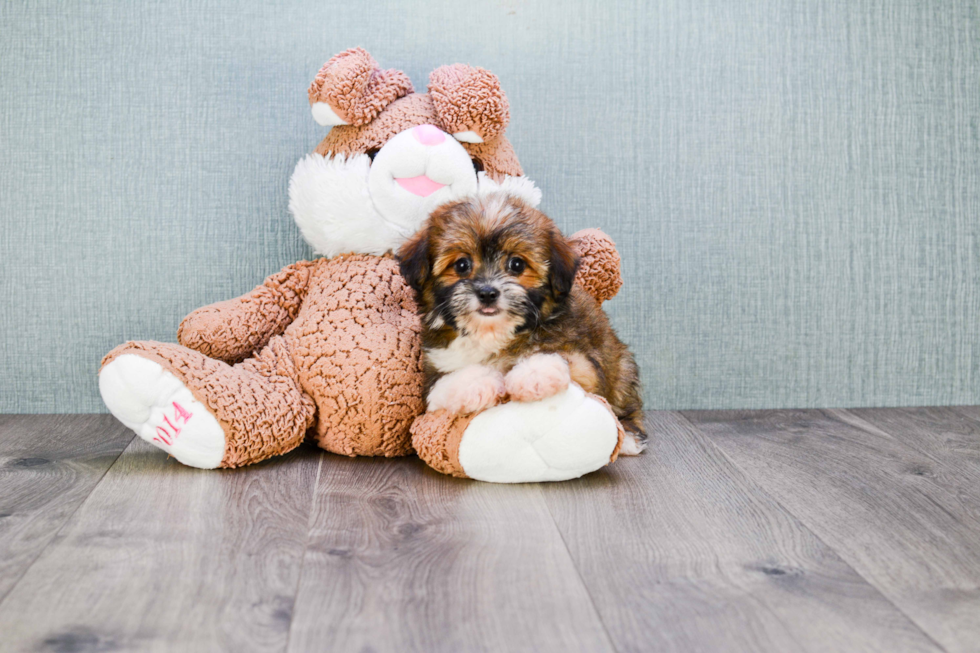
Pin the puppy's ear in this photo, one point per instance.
(413, 260)
(564, 264)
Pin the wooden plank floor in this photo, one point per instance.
(834, 530)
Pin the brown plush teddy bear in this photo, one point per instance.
(331, 346)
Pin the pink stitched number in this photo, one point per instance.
(163, 435)
(181, 412)
(176, 429)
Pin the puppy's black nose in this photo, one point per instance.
(487, 294)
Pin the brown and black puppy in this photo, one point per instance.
(502, 316)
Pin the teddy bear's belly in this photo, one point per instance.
(357, 347)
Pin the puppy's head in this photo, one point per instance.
(488, 264)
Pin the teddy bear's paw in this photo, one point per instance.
(155, 404)
(467, 391)
(538, 377)
(556, 439)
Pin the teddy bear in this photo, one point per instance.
(329, 349)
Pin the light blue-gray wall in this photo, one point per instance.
(794, 186)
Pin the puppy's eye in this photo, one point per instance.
(516, 265)
(477, 164)
(373, 152)
(462, 267)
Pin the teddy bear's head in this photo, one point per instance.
(394, 155)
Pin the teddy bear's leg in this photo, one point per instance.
(562, 437)
(204, 412)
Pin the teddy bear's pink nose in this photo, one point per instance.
(428, 135)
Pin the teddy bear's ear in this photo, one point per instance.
(351, 89)
(599, 269)
(469, 102)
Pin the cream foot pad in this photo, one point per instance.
(555, 439)
(151, 401)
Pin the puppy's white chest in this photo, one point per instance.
(463, 351)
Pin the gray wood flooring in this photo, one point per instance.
(832, 530)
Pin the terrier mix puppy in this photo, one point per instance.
(502, 316)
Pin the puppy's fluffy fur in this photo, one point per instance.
(502, 316)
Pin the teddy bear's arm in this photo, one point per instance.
(598, 270)
(232, 330)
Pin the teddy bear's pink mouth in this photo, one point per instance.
(421, 185)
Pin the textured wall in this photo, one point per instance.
(794, 185)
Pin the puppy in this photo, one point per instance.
(502, 316)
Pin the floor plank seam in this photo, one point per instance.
(804, 523)
(54, 537)
(870, 427)
(306, 545)
(578, 573)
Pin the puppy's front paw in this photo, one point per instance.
(468, 390)
(538, 377)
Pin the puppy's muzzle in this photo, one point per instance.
(487, 295)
